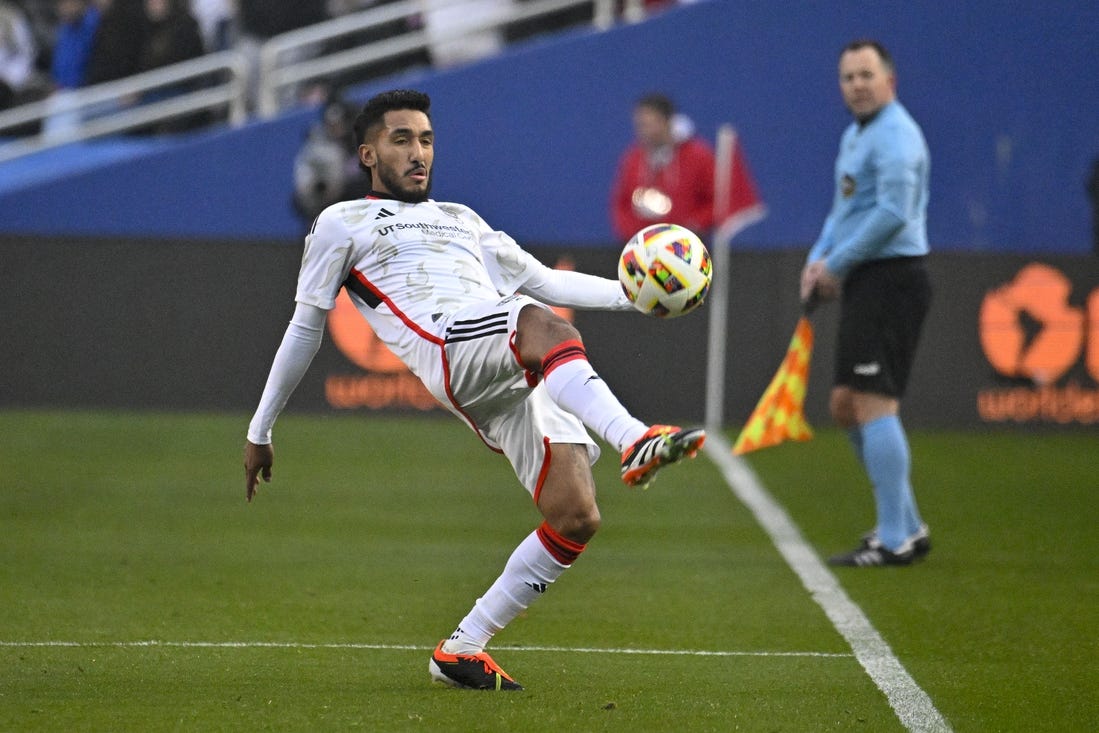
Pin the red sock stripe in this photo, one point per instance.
(564, 550)
(563, 353)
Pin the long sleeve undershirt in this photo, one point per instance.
(299, 345)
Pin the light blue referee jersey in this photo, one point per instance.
(880, 206)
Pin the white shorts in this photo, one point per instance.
(481, 380)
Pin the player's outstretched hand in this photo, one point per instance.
(258, 460)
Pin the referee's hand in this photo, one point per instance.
(258, 460)
(817, 282)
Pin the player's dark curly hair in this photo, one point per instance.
(372, 116)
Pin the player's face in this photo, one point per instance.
(866, 83)
(401, 155)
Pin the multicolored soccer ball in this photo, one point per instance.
(665, 270)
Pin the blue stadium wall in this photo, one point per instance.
(1008, 94)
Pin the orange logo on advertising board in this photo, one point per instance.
(385, 381)
(1030, 331)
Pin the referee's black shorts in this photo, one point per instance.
(881, 314)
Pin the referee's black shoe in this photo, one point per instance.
(921, 542)
(872, 553)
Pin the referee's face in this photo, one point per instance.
(866, 82)
(400, 156)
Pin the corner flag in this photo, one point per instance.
(780, 415)
(737, 204)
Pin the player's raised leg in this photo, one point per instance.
(549, 345)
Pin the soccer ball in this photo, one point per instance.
(665, 270)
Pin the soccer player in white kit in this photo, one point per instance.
(455, 300)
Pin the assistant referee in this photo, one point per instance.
(870, 253)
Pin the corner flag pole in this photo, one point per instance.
(718, 305)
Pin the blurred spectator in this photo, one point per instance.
(171, 36)
(326, 168)
(217, 21)
(41, 16)
(77, 21)
(119, 40)
(401, 62)
(456, 30)
(17, 55)
(260, 20)
(266, 18)
(666, 175)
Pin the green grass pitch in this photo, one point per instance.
(139, 592)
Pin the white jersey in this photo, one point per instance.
(408, 266)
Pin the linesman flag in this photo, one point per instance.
(780, 414)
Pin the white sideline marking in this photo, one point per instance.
(401, 647)
(908, 700)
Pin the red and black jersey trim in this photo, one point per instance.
(361, 289)
(372, 296)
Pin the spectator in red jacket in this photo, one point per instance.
(666, 175)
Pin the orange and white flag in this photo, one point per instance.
(780, 414)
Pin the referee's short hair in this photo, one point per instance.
(861, 43)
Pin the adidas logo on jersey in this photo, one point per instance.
(384, 213)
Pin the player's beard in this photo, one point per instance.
(399, 190)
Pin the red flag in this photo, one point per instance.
(737, 204)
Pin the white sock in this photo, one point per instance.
(528, 573)
(576, 387)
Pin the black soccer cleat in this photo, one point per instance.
(866, 557)
(872, 553)
(469, 671)
(921, 542)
